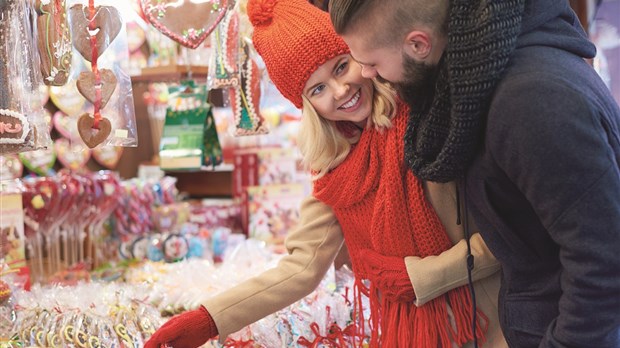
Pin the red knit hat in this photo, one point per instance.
(294, 38)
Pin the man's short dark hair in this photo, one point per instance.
(390, 19)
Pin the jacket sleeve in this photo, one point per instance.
(433, 276)
(566, 163)
(311, 247)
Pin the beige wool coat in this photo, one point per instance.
(316, 241)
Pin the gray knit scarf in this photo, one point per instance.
(441, 140)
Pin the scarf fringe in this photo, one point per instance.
(400, 324)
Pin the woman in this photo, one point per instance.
(352, 139)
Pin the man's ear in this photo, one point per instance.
(417, 44)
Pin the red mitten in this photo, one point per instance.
(389, 275)
(188, 330)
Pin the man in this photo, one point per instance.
(503, 100)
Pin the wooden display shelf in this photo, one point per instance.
(205, 183)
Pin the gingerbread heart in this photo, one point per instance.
(39, 161)
(107, 21)
(187, 22)
(65, 125)
(90, 135)
(86, 85)
(10, 167)
(71, 154)
(67, 98)
(108, 156)
(53, 42)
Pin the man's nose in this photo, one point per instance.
(368, 72)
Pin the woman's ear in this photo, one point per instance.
(417, 45)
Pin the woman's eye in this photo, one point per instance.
(318, 89)
(341, 67)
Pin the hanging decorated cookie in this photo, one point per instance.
(105, 25)
(21, 124)
(108, 156)
(94, 28)
(67, 98)
(14, 127)
(39, 162)
(225, 58)
(86, 85)
(65, 125)
(245, 100)
(92, 131)
(212, 147)
(54, 41)
(71, 154)
(10, 167)
(184, 21)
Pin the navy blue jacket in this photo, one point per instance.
(545, 188)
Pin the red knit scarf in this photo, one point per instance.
(381, 205)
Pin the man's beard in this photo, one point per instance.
(417, 87)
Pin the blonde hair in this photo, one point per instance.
(324, 147)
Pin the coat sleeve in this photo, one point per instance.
(311, 247)
(433, 276)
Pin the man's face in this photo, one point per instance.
(418, 82)
(414, 80)
(384, 63)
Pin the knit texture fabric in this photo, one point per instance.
(381, 205)
(294, 38)
(441, 141)
(188, 330)
(389, 273)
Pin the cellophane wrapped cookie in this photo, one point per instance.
(22, 118)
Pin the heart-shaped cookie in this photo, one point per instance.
(186, 22)
(10, 167)
(71, 154)
(86, 85)
(65, 125)
(107, 21)
(91, 136)
(39, 161)
(67, 98)
(53, 42)
(108, 156)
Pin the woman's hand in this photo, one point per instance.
(389, 275)
(188, 330)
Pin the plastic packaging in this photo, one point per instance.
(22, 119)
(108, 116)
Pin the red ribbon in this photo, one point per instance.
(231, 343)
(336, 337)
(94, 55)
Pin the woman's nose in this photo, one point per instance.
(341, 90)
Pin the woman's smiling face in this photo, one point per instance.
(338, 92)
